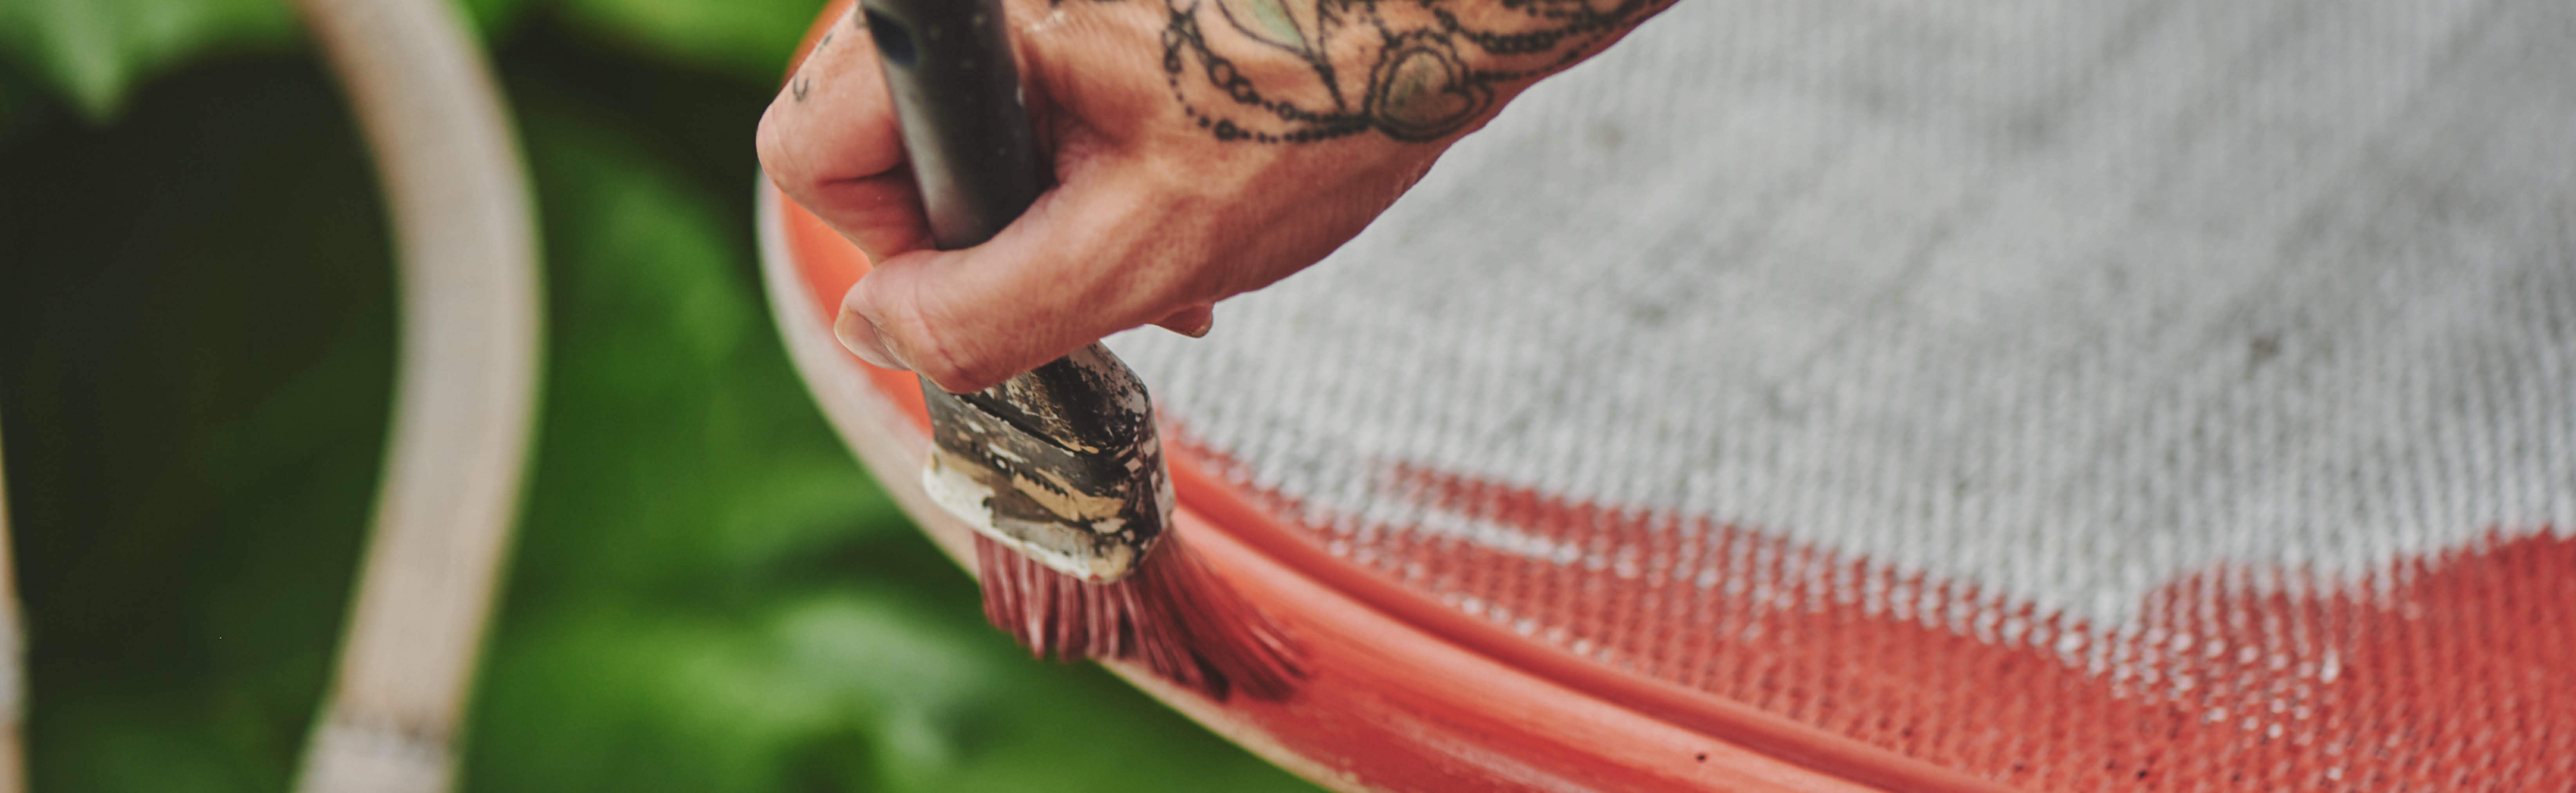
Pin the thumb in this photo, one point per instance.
(1090, 258)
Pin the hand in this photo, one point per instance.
(1195, 159)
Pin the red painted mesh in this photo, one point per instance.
(2099, 395)
(2452, 672)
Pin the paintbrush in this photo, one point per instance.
(1058, 470)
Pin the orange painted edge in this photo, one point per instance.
(1239, 514)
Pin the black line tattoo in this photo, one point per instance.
(1412, 70)
(799, 85)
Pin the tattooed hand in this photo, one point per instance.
(1202, 149)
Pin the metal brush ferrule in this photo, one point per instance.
(1060, 463)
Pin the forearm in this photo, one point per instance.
(1297, 71)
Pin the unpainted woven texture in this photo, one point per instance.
(2108, 394)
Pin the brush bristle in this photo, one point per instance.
(1173, 615)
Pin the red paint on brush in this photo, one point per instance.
(1174, 617)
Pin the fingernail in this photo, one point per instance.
(1199, 329)
(860, 336)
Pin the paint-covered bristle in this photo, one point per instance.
(1173, 615)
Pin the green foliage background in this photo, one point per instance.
(195, 359)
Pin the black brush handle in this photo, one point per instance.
(974, 153)
(965, 124)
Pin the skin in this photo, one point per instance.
(1202, 149)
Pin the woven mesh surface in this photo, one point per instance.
(2111, 394)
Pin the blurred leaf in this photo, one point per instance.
(94, 51)
(674, 433)
(749, 39)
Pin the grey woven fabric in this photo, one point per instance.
(2067, 299)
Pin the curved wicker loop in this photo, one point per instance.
(464, 399)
